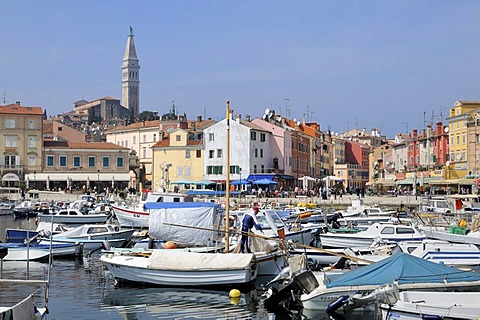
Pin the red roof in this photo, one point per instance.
(17, 109)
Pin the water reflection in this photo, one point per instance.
(174, 303)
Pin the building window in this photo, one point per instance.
(263, 168)
(144, 138)
(126, 143)
(219, 153)
(262, 137)
(214, 169)
(144, 152)
(10, 123)
(32, 160)
(10, 141)
(32, 124)
(261, 153)
(188, 171)
(76, 161)
(154, 137)
(211, 137)
(187, 154)
(63, 161)
(464, 139)
(32, 141)
(253, 135)
(179, 171)
(50, 161)
(199, 153)
(105, 161)
(211, 153)
(134, 140)
(463, 156)
(119, 162)
(458, 139)
(254, 168)
(91, 162)
(256, 153)
(178, 137)
(11, 160)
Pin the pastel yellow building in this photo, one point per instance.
(177, 158)
(460, 114)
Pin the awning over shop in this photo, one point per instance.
(77, 176)
(255, 177)
(10, 177)
(404, 182)
(443, 182)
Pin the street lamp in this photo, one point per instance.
(240, 181)
(35, 179)
(98, 179)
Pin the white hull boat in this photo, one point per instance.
(93, 236)
(73, 216)
(183, 269)
(413, 305)
(441, 233)
(362, 239)
(29, 307)
(20, 252)
(405, 271)
(136, 215)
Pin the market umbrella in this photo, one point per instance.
(239, 182)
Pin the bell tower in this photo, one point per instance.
(130, 78)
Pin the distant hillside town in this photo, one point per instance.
(108, 144)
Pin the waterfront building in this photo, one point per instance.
(460, 114)
(21, 143)
(70, 165)
(179, 159)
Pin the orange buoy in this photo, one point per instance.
(305, 215)
(170, 245)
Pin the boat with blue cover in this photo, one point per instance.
(407, 272)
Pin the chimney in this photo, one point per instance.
(17, 102)
(247, 117)
(143, 124)
(199, 118)
(239, 117)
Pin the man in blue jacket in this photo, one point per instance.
(249, 221)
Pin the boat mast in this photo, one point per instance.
(227, 183)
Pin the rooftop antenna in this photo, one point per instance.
(173, 107)
(309, 114)
(4, 97)
(356, 124)
(287, 105)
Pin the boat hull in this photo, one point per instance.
(131, 217)
(137, 269)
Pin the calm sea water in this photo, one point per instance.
(82, 289)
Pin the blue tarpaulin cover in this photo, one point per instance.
(404, 269)
(163, 205)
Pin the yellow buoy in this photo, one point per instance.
(234, 293)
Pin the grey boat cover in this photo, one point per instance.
(196, 220)
(166, 259)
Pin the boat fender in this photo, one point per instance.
(337, 304)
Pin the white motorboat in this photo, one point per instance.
(93, 236)
(183, 269)
(433, 305)
(136, 216)
(384, 231)
(405, 271)
(32, 252)
(73, 216)
(358, 209)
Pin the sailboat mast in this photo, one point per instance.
(227, 183)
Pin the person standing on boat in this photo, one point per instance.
(249, 221)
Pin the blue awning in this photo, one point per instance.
(254, 177)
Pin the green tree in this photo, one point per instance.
(148, 116)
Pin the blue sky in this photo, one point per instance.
(344, 64)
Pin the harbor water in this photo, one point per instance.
(82, 289)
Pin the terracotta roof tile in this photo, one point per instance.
(82, 145)
(17, 109)
(136, 125)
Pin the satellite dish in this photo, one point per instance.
(267, 111)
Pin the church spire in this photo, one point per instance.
(130, 77)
